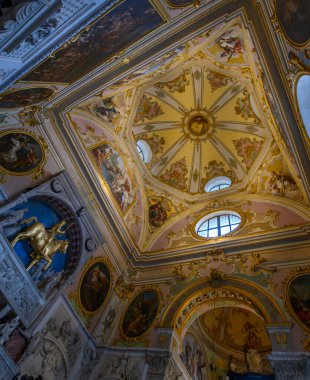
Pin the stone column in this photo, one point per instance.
(290, 365)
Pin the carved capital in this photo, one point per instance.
(290, 365)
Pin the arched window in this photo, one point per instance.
(217, 183)
(218, 224)
(144, 150)
(303, 98)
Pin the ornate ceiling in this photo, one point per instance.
(201, 89)
(203, 111)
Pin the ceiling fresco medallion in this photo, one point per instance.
(198, 125)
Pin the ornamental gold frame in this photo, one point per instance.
(160, 302)
(92, 261)
(38, 170)
(281, 29)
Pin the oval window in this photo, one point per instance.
(303, 90)
(144, 150)
(217, 183)
(217, 224)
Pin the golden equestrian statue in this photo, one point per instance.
(42, 241)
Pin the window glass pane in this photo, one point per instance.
(203, 226)
(234, 226)
(216, 187)
(213, 222)
(203, 233)
(224, 221)
(223, 185)
(140, 152)
(234, 219)
(225, 230)
(213, 233)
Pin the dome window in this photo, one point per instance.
(303, 90)
(144, 150)
(218, 224)
(217, 183)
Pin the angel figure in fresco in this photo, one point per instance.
(231, 46)
(10, 155)
(103, 154)
(121, 188)
(27, 158)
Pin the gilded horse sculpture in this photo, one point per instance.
(42, 241)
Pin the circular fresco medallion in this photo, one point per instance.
(298, 299)
(198, 125)
(21, 153)
(140, 314)
(94, 287)
(25, 97)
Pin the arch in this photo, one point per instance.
(198, 298)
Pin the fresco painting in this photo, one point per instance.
(113, 32)
(248, 149)
(140, 314)
(25, 97)
(116, 175)
(94, 287)
(299, 299)
(293, 16)
(229, 47)
(193, 358)
(20, 153)
(176, 174)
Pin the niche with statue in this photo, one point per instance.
(41, 239)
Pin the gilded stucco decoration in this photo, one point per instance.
(202, 111)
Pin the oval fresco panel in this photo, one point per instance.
(115, 173)
(298, 299)
(20, 152)
(140, 314)
(25, 97)
(293, 17)
(94, 287)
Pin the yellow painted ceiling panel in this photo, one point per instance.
(177, 172)
(214, 85)
(180, 89)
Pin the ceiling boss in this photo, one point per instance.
(198, 125)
